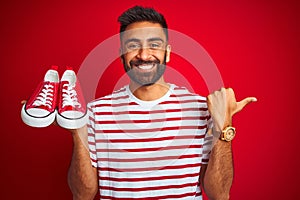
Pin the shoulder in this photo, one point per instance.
(182, 93)
(117, 95)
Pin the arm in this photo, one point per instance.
(216, 177)
(82, 176)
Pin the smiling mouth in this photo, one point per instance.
(145, 66)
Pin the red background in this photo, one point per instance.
(255, 45)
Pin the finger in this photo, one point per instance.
(231, 94)
(217, 91)
(208, 97)
(23, 101)
(244, 102)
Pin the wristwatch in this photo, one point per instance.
(228, 134)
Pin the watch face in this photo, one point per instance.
(229, 135)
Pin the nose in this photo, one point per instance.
(144, 53)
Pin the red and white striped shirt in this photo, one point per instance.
(149, 149)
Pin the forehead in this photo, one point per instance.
(143, 31)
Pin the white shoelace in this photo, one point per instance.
(45, 97)
(69, 96)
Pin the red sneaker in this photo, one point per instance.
(72, 111)
(39, 110)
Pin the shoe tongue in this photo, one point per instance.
(69, 83)
(48, 83)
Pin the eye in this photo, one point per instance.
(133, 46)
(155, 45)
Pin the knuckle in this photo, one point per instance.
(213, 94)
(230, 89)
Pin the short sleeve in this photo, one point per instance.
(91, 136)
(208, 142)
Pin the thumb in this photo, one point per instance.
(244, 102)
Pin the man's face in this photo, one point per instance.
(144, 52)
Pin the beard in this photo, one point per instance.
(145, 78)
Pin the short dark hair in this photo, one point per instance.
(141, 14)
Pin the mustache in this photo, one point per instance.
(143, 62)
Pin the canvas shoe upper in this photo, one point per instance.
(39, 110)
(72, 111)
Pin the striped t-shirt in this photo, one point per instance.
(149, 149)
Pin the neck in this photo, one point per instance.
(149, 92)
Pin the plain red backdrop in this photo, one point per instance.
(255, 45)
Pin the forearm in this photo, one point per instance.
(218, 176)
(219, 173)
(82, 176)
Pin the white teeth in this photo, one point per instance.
(145, 66)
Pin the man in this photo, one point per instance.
(152, 139)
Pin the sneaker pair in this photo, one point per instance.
(53, 98)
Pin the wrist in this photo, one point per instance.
(80, 136)
(220, 126)
(227, 122)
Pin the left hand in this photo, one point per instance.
(222, 105)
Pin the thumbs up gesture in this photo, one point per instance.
(222, 106)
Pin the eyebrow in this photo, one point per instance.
(155, 39)
(148, 40)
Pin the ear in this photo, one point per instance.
(121, 55)
(168, 53)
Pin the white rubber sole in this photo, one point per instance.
(36, 121)
(70, 123)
